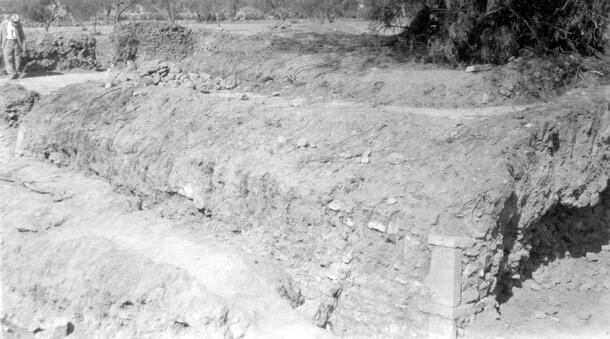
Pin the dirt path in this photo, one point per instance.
(47, 84)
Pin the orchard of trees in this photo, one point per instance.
(47, 11)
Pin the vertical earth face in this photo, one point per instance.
(184, 197)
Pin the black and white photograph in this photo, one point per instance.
(305, 169)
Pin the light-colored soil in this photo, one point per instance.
(316, 272)
(74, 251)
(47, 84)
(270, 215)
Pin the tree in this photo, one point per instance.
(217, 9)
(43, 11)
(169, 8)
(118, 7)
(82, 10)
(495, 30)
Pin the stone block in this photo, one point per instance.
(441, 328)
(449, 241)
(479, 68)
(445, 277)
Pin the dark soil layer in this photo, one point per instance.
(150, 40)
(343, 196)
(60, 51)
(15, 102)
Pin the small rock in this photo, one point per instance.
(485, 99)
(62, 331)
(338, 206)
(377, 226)
(348, 257)
(583, 315)
(349, 223)
(555, 319)
(347, 155)
(366, 157)
(539, 277)
(188, 84)
(539, 315)
(275, 94)
(553, 301)
(237, 331)
(148, 80)
(606, 283)
(392, 201)
(534, 286)
(156, 79)
(606, 248)
(592, 257)
(396, 158)
(479, 68)
(149, 68)
(244, 97)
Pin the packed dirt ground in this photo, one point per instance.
(206, 199)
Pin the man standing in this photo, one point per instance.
(12, 40)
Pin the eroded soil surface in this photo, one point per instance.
(80, 259)
(298, 201)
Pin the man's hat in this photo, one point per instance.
(15, 18)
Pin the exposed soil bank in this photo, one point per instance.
(335, 65)
(81, 260)
(57, 51)
(343, 195)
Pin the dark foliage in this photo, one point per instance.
(495, 30)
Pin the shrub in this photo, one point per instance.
(495, 30)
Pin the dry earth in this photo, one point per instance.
(81, 260)
(237, 214)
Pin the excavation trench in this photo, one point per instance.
(563, 232)
(344, 196)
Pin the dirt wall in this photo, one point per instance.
(343, 195)
(59, 51)
(149, 40)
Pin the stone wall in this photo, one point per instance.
(59, 51)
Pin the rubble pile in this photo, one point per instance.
(59, 52)
(15, 102)
(167, 74)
